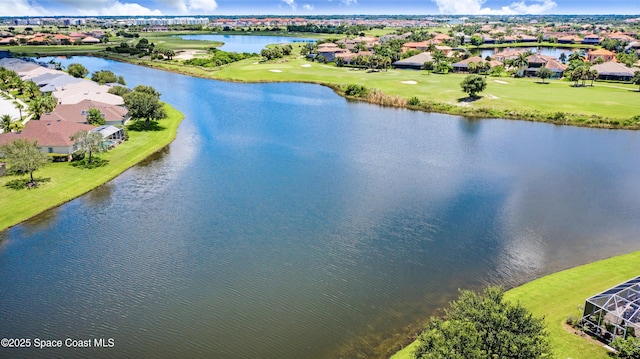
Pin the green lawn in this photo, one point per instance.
(66, 182)
(557, 296)
(610, 100)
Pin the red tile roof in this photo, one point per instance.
(47, 133)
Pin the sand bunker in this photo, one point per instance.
(305, 65)
(492, 97)
(275, 70)
(410, 82)
(502, 82)
(187, 54)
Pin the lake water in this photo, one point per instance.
(246, 43)
(287, 222)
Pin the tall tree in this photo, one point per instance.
(77, 70)
(19, 107)
(473, 84)
(144, 106)
(94, 117)
(636, 79)
(484, 326)
(544, 73)
(89, 142)
(104, 76)
(24, 157)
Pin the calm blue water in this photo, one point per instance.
(246, 43)
(287, 222)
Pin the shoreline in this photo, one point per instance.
(558, 295)
(91, 179)
(383, 99)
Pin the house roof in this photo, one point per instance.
(416, 60)
(48, 133)
(90, 40)
(601, 52)
(59, 81)
(78, 112)
(614, 69)
(85, 89)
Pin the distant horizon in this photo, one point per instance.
(80, 8)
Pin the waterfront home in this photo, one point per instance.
(569, 39)
(591, 39)
(52, 136)
(508, 54)
(604, 54)
(614, 71)
(85, 90)
(112, 114)
(535, 62)
(415, 62)
(329, 51)
(463, 66)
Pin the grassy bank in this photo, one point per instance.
(560, 295)
(63, 182)
(603, 105)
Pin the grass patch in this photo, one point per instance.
(68, 182)
(562, 294)
(604, 105)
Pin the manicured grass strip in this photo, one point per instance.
(559, 295)
(603, 105)
(66, 182)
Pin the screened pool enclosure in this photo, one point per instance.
(614, 312)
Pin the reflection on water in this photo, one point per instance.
(310, 226)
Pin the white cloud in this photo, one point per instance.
(349, 2)
(474, 7)
(21, 8)
(307, 7)
(192, 6)
(117, 8)
(291, 3)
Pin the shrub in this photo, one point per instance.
(356, 90)
(414, 101)
(58, 157)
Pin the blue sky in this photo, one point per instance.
(312, 7)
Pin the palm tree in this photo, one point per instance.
(36, 108)
(19, 107)
(31, 89)
(521, 61)
(593, 74)
(576, 56)
(5, 123)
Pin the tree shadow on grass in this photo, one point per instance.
(469, 99)
(140, 126)
(25, 183)
(541, 83)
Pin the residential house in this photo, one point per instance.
(569, 39)
(591, 39)
(604, 54)
(535, 62)
(463, 66)
(329, 51)
(415, 62)
(112, 114)
(52, 136)
(90, 40)
(420, 46)
(83, 90)
(61, 39)
(614, 71)
(508, 54)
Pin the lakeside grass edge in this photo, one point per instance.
(559, 295)
(25, 204)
